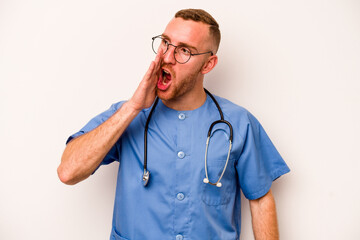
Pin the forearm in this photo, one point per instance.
(83, 154)
(264, 220)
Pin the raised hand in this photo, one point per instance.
(145, 93)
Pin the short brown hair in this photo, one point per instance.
(199, 15)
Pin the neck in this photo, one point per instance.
(189, 101)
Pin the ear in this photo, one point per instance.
(210, 64)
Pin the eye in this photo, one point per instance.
(165, 42)
(184, 51)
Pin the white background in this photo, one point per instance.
(294, 64)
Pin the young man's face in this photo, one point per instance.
(178, 80)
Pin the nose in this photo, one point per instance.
(169, 56)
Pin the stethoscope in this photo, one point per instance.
(146, 174)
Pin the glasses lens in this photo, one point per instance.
(159, 43)
(182, 54)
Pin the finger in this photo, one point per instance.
(150, 71)
(158, 58)
(154, 67)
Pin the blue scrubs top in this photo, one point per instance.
(177, 204)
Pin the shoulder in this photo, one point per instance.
(234, 112)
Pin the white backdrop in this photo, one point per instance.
(294, 64)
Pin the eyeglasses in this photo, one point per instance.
(182, 54)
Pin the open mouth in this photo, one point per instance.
(164, 80)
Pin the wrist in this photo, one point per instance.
(131, 107)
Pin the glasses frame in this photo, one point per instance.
(167, 48)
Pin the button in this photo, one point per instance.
(182, 116)
(181, 154)
(180, 196)
(179, 237)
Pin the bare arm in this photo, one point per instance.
(264, 220)
(84, 154)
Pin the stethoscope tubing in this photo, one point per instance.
(146, 174)
(206, 179)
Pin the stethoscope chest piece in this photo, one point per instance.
(146, 177)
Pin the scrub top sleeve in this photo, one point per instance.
(259, 163)
(113, 154)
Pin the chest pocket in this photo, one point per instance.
(116, 236)
(216, 160)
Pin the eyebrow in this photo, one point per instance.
(180, 43)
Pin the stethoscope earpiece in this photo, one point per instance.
(218, 184)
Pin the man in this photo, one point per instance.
(184, 196)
